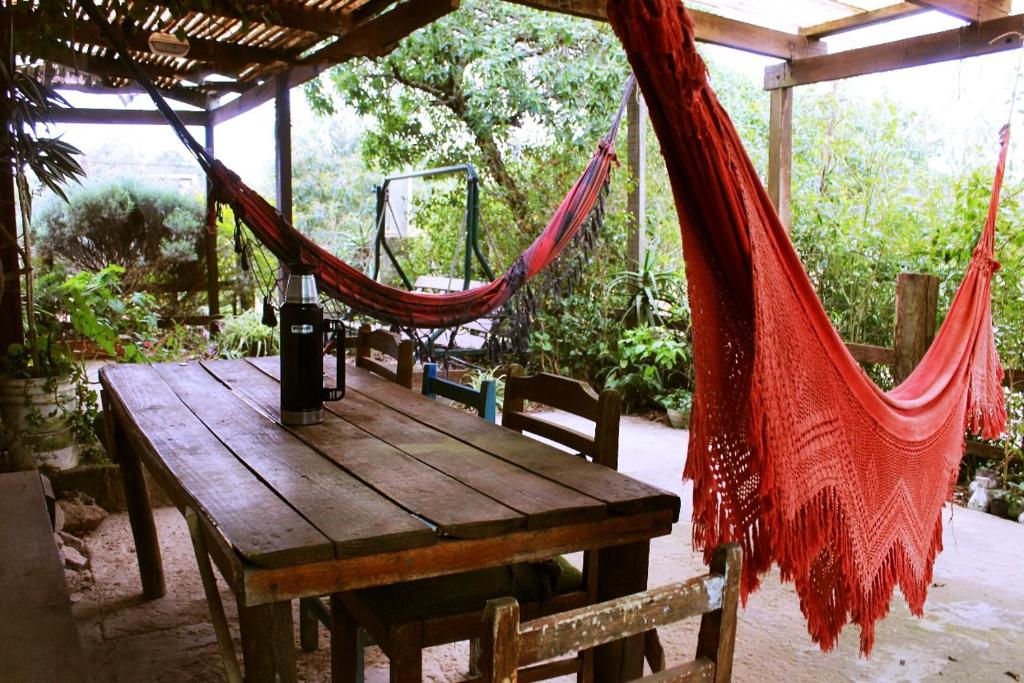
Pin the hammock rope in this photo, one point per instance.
(350, 285)
(793, 451)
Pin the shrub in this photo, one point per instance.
(145, 230)
(246, 335)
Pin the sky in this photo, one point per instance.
(964, 103)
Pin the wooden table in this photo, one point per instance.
(391, 487)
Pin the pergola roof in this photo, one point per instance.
(255, 50)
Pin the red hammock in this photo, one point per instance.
(794, 452)
(414, 309)
(352, 286)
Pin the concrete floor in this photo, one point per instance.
(973, 628)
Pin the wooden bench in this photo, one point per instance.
(508, 646)
(38, 638)
(471, 336)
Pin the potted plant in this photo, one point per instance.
(40, 382)
(677, 404)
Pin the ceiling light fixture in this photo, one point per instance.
(167, 45)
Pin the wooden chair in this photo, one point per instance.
(406, 618)
(571, 396)
(389, 344)
(483, 400)
(508, 646)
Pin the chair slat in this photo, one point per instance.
(523, 422)
(691, 672)
(483, 400)
(389, 344)
(507, 645)
(594, 625)
(563, 393)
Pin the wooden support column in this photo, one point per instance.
(212, 269)
(916, 309)
(636, 200)
(283, 146)
(11, 330)
(780, 154)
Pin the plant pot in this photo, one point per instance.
(38, 427)
(678, 418)
(999, 506)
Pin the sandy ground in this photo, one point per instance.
(973, 628)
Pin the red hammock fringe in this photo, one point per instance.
(794, 452)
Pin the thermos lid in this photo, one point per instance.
(301, 284)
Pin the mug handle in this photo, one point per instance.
(337, 327)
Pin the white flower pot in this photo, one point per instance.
(678, 418)
(36, 419)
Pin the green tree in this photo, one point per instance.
(333, 191)
(523, 95)
(146, 230)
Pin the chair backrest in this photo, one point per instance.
(484, 400)
(507, 644)
(572, 396)
(389, 344)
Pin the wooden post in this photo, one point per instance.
(283, 158)
(267, 642)
(500, 640)
(780, 154)
(636, 201)
(11, 330)
(916, 310)
(140, 511)
(212, 269)
(716, 639)
(621, 570)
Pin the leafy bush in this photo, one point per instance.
(245, 335)
(145, 230)
(576, 336)
(653, 361)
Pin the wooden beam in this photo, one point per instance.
(379, 35)
(959, 43)
(861, 20)
(636, 162)
(12, 330)
(968, 10)
(708, 28)
(127, 117)
(916, 315)
(264, 92)
(369, 37)
(199, 49)
(210, 240)
(283, 146)
(284, 13)
(780, 154)
(102, 66)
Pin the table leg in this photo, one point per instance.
(621, 570)
(140, 511)
(346, 645)
(268, 648)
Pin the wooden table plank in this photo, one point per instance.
(400, 477)
(38, 638)
(621, 493)
(357, 519)
(223, 489)
(542, 501)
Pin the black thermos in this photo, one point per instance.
(304, 334)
